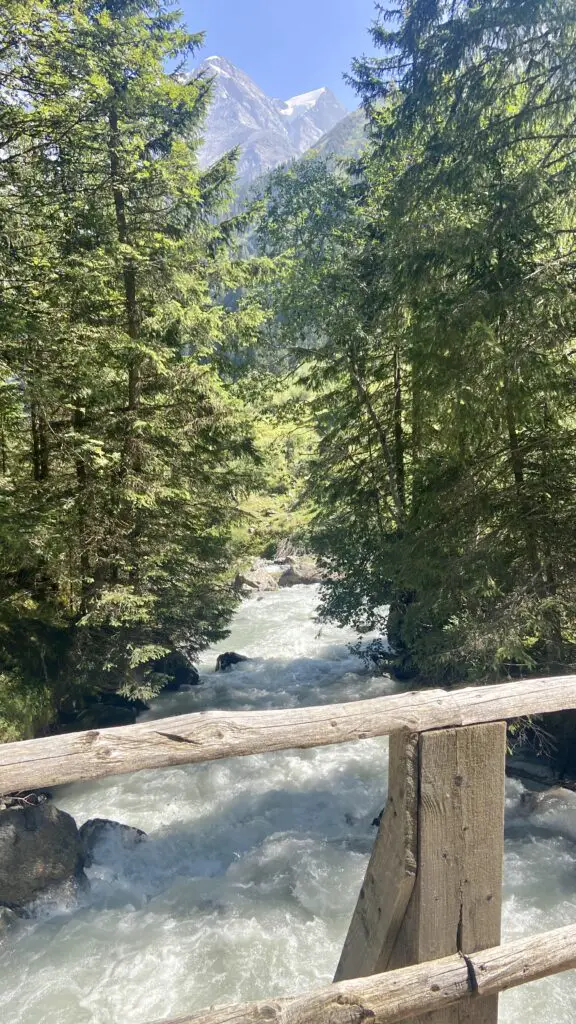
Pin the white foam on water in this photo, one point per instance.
(252, 866)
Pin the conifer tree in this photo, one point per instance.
(444, 479)
(123, 455)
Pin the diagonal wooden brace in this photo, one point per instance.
(391, 873)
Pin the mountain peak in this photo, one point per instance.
(267, 131)
(221, 67)
(221, 64)
(301, 104)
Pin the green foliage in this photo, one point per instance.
(432, 293)
(124, 455)
(24, 709)
(347, 139)
(277, 509)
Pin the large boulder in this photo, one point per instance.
(302, 572)
(40, 850)
(103, 831)
(178, 669)
(227, 660)
(561, 732)
(258, 579)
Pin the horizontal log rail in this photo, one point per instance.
(210, 735)
(412, 991)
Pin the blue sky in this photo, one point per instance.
(286, 46)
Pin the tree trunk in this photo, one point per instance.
(416, 438)
(39, 429)
(398, 428)
(78, 421)
(3, 449)
(131, 459)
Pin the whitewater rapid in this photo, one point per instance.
(245, 886)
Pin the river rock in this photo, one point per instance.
(300, 573)
(32, 797)
(179, 669)
(227, 660)
(539, 801)
(532, 768)
(100, 830)
(40, 849)
(561, 731)
(258, 579)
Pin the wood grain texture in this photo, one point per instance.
(391, 873)
(412, 991)
(189, 739)
(456, 904)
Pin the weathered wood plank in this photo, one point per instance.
(412, 991)
(391, 873)
(456, 904)
(189, 739)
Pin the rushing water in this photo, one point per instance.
(247, 881)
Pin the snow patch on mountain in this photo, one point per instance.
(267, 131)
(298, 105)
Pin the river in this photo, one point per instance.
(245, 886)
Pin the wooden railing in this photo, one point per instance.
(424, 988)
(210, 735)
(425, 935)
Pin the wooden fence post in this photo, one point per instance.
(456, 901)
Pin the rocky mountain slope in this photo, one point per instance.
(268, 131)
(348, 138)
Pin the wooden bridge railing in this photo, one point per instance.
(210, 735)
(426, 929)
(439, 986)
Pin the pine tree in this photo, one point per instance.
(123, 455)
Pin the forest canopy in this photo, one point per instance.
(429, 287)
